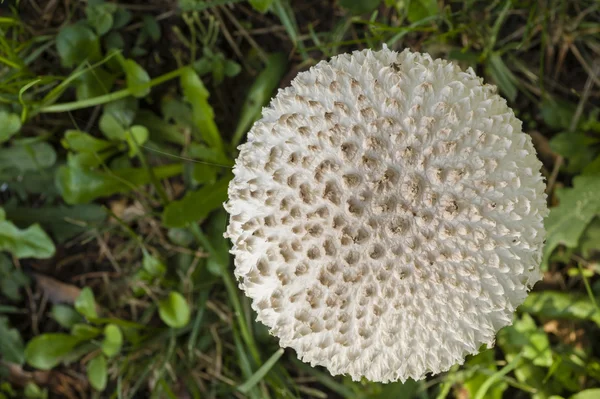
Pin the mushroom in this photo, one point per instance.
(386, 215)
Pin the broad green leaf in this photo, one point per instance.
(260, 93)
(27, 157)
(113, 340)
(561, 305)
(136, 78)
(593, 393)
(121, 18)
(153, 266)
(97, 373)
(76, 44)
(567, 221)
(85, 303)
(100, 16)
(196, 205)
(159, 129)
(202, 113)
(76, 140)
(218, 224)
(10, 124)
(62, 222)
(85, 332)
(174, 310)
(204, 173)
(11, 279)
(502, 76)
(47, 350)
(93, 83)
(421, 9)
(31, 242)
(590, 241)
(483, 361)
(526, 337)
(65, 315)
(208, 155)
(151, 27)
(577, 148)
(136, 137)
(557, 114)
(79, 185)
(118, 117)
(360, 6)
(261, 5)
(407, 389)
(33, 391)
(11, 344)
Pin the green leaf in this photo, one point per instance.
(576, 147)
(151, 27)
(261, 372)
(174, 310)
(561, 305)
(65, 315)
(567, 221)
(196, 205)
(159, 129)
(261, 5)
(526, 337)
(136, 136)
(153, 266)
(557, 114)
(202, 113)
(204, 173)
(360, 6)
(136, 78)
(27, 157)
(32, 391)
(483, 361)
(31, 242)
(593, 393)
(79, 185)
(76, 44)
(47, 350)
(84, 332)
(76, 140)
(502, 76)
(260, 93)
(11, 344)
(85, 303)
(421, 9)
(118, 117)
(590, 241)
(113, 340)
(94, 83)
(62, 222)
(100, 16)
(11, 279)
(10, 124)
(97, 373)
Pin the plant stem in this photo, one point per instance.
(107, 98)
(231, 290)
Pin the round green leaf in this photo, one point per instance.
(65, 315)
(47, 350)
(113, 340)
(85, 303)
(174, 310)
(76, 44)
(97, 373)
(10, 124)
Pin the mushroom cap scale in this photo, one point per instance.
(386, 215)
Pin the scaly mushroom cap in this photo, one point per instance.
(386, 215)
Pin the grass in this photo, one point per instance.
(118, 128)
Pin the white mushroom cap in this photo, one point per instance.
(387, 215)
